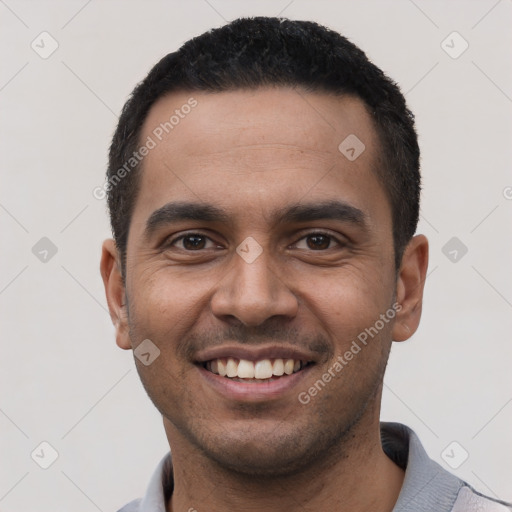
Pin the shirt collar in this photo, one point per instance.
(427, 486)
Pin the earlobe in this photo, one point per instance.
(115, 292)
(409, 287)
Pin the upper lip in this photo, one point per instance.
(253, 353)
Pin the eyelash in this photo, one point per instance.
(172, 242)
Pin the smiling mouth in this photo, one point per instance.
(243, 370)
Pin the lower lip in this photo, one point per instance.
(253, 391)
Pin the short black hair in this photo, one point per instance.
(249, 53)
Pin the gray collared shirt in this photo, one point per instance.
(427, 486)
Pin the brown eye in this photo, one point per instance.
(318, 242)
(192, 242)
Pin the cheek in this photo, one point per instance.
(163, 300)
(164, 310)
(349, 301)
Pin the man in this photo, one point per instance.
(263, 187)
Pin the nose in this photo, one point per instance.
(252, 292)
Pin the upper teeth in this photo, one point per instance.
(262, 369)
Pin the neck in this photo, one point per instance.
(356, 476)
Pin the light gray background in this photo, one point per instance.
(64, 381)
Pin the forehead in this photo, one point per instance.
(258, 147)
(317, 122)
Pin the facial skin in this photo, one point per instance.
(253, 155)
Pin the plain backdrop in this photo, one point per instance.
(63, 380)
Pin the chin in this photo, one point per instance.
(260, 463)
(271, 452)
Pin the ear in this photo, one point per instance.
(115, 291)
(409, 288)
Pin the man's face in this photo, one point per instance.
(289, 257)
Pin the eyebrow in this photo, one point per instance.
(324, 210)
(178, 211)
